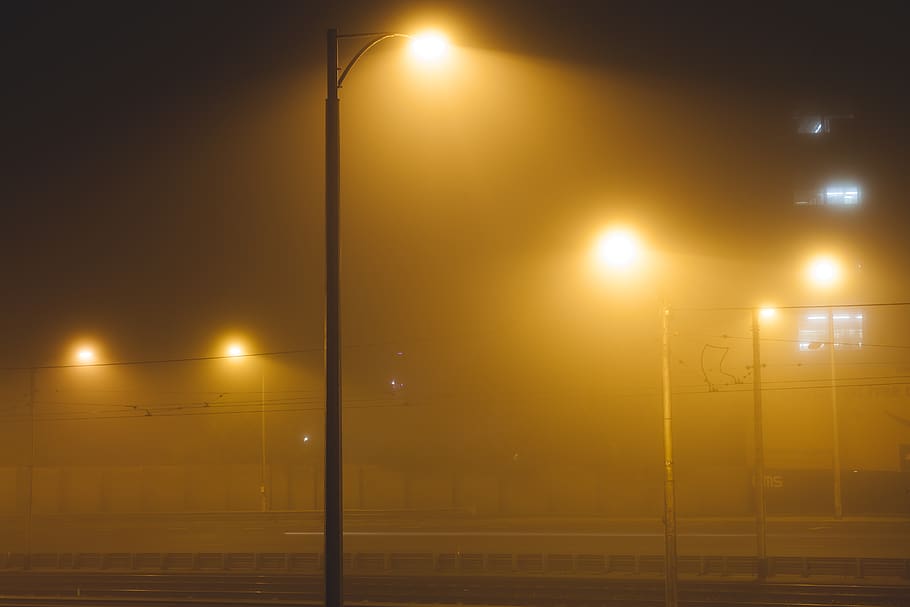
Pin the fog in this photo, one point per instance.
(167, 196)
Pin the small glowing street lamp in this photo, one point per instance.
(618, 248)
(234, 350)
(84, 352)
(824, 271)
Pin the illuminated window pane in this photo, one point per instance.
(848, 330)
(842, 195)
(846, 195)
(812, 125)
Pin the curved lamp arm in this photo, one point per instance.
(376, 39)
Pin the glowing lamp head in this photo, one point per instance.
(618, 249)
(766, 313)
(824, 272)
(235, 350)
(429, 46)
(85, 356)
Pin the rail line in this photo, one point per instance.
(159, 589)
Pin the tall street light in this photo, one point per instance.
(619, 250)
(759, 436)
(236, 350)
(30, 498)
(82, 355)
(825, 273)
(430, 46)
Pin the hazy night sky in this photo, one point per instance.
(163, 164)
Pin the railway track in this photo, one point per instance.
(159, 589)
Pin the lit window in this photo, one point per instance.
(846, 195)
(848, 330)
(842, 195)
(812, 125)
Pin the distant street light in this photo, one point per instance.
(85, 356)
(620, 249)
(761, 533)
(428, 47)
(33, 452)
(825, 273)
(236, 350)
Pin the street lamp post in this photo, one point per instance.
(619, 249)
(758, 432)
(670, 554)
(263, 494)
(835, 423)
(825, 272)
(236, 350)
(333, 506)
(431, 46)
(30, 498)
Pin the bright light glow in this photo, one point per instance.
(824, 271)
(306, 438)
(767, 313)
(618, 248)
(235, 350)
(85, 356)
(429, 46)
(818, 128)
(842, 195)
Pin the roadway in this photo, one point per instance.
(115, 590)
(450, 532)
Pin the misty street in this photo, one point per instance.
(497, 302)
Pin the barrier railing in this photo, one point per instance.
(410, 563)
